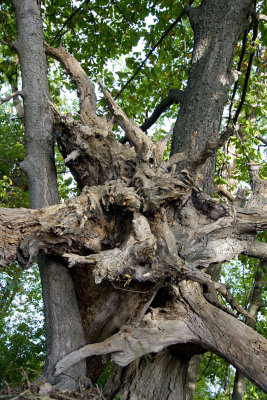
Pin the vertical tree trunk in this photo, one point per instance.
(240, 380)
(180, 382)
(217, 26)
(63, 325)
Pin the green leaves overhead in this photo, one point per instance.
(111, 38)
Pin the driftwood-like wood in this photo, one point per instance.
(208, 231)
(192, 320)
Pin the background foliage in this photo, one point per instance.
(112, 39)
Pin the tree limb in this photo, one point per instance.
(175, 96)
(78, 76)
(16, 93)
(257, 249)
(136, 136)
(192, 320)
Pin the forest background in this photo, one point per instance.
(141, 50)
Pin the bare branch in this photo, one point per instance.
(262, 17)
(5, 99)
(78, 76)
(192, 321)
(230, 298)
(152, 335)
(136, 136)
(175, 96)
(221, 189)
(160, 146)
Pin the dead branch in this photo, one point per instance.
(230, 298)
(221, 189)
(78, 76)
(256, 249)
(136, 136)
(16, 93)
(152, 335)
(194, 321)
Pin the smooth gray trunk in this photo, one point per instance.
(63, 325)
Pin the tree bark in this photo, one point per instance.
(41, 172)
(255, 303)
(217, 27)
(151, 369)
(143, 231)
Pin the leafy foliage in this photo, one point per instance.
(111, 38)
(21, 325)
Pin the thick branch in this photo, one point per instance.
(137, 137)
(152, 335)
(54, 229)
(5, 99)
(83, 223)
(78, 76)
(194, 321)
(257, 249)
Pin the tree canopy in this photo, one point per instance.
(141, 54)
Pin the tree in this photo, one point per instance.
(124, 266)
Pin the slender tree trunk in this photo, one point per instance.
(240, 380)
(64, 331)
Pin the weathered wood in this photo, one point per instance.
(195, 321)
(221, 231)
(143, 227)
